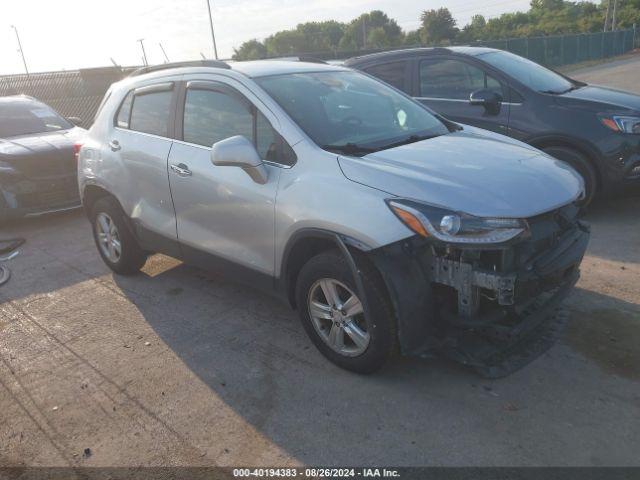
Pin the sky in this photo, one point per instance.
(72, 34)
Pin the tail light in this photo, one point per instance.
(76, 150)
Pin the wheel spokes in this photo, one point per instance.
(352, 307)
(360, 338)
(336, 337)
(320, 310)
(330, 292)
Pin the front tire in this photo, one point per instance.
(116, 244)
(582, 165)
(332, 313)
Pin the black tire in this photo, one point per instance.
(132, 257)
(381, 326)
(582, 165)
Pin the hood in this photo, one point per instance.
(483, 176)
(41, 153)
(607, 96)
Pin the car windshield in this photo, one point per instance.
(351, 113)
(26, 117)
(529, 73)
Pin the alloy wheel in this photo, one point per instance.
(108, 237)
(338, 317)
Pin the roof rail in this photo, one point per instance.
(301, 58)
(194, 63)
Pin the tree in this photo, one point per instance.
(375, 25)
(412, 38)
(438, 26)
(474, 30)
(250, 50)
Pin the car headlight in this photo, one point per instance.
(6, 168)
(455, 227)
(622, 123)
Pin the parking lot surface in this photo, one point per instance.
(175, 366)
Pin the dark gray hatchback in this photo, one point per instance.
(38, 170)
(595, 129)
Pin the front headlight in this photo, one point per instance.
(622, 123)
(455, 227)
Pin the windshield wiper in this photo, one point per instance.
(406, 141)
(350, 149)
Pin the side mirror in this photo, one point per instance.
(77, 121)
(239, 152)
(490, 100)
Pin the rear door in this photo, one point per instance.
(445, 84)
(140, 142)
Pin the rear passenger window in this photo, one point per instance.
(150, 113)
(395, 74)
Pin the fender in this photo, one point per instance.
(283, 282)
(578, 143)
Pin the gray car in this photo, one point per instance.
(385, 225)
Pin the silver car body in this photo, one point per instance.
(222, 211)
(185, 206)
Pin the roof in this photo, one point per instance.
(411, 52)
(263, 68)
(252, 69)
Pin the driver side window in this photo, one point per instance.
(213, 115)
(454, 79)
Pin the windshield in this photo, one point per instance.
(529, 73)
(350, 112)
(26, 117)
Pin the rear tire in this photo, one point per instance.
(116, 244)
(367, 343)
(582, 165)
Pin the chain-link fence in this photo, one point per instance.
(558, 50)
(73, 94)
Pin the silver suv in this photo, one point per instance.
(384, 224)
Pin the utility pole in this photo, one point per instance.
(20, 49)
(144, 53)
(364, 33)
(606, 18)
(615, 10)
(166, 59)
(213, 35)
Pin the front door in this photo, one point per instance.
(224, 218)
(445, 85)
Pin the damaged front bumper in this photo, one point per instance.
(493, 308)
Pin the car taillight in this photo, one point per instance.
(76, 149)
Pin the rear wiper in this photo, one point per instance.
(350, 149)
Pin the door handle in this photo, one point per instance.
(181, 169)
(114, 145)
